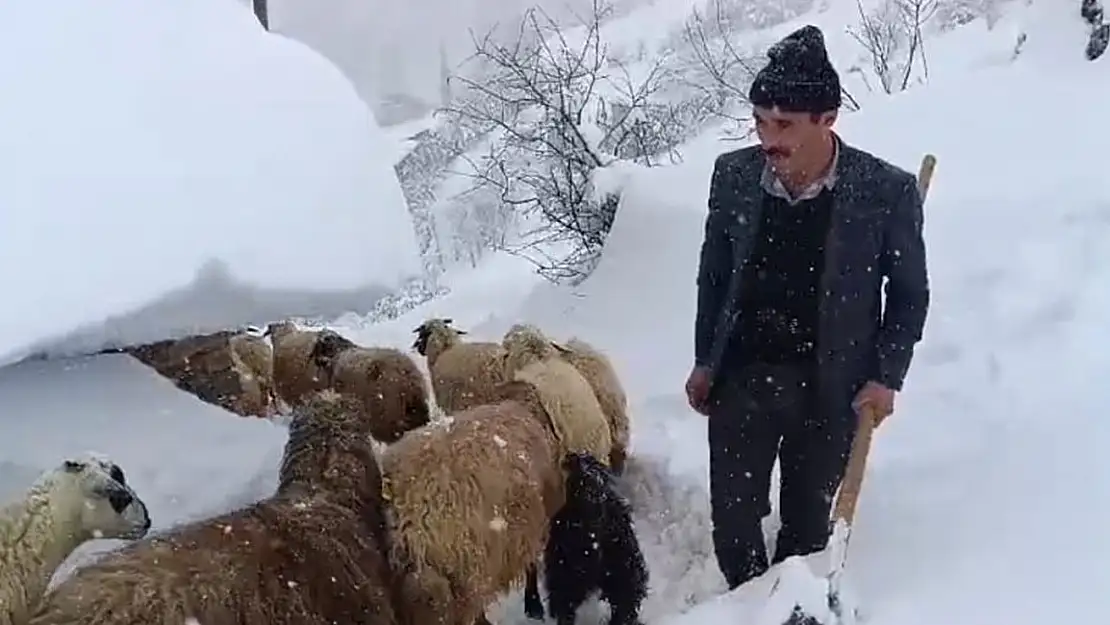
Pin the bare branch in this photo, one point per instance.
(891, 36)
(555, 108)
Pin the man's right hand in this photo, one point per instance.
(697, 389)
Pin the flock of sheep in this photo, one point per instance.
(429, 529)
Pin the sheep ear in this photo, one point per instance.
(448, 320)
(563, 349)
(73, 466)
(460, 331)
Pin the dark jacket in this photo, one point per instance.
(876, 233)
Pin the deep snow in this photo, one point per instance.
(144, 139)
(986, 495)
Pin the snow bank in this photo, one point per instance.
(186, 459)
(145, 138)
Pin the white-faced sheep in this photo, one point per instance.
(295, 375)
(388, 382)
(312, 554)
(253, 360)
(471, 498)
(598, 370)
(463, 374)
(82, 499)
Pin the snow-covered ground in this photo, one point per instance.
(987, 495)
(160, 138)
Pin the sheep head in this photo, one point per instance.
(329, 448)
(279, 329)
(589, 478)
(329, 344)
(97, 490)
(433, 329)
(525, 344)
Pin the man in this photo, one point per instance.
(791, 338)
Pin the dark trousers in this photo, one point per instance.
(758, 413)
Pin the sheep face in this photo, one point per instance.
(425, 331)
(109, 508)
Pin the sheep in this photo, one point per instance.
(82, 499)
(471, 498)
(388, 382)
(463, 374)
(253, 360)
(295, 375)
(593, 548)
(579, 422)
(314, 553)
(598, 370)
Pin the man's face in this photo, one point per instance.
(788, 138)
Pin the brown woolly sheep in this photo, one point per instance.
(253, 360)
(312, 554)
(463, 374)
(598, 370)
(471, 498)
(388, 382)
(577, 418)
(295, 375)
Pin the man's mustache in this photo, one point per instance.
(774, 152)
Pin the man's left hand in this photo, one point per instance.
(878, 397)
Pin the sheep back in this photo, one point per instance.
(576, 415)
(465, 375)
(390, 385)
(598, 370)
(295, 375)
(280, 561)
(470, 498)
(254, 360)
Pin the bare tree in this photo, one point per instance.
(891, 36)
(719, 69)
(555, 108)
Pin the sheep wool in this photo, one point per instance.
(598, 370)
(470, 497)
(295, 375)
(389, 384)
(577, 419)
(309, 555)
(463, 374)
(253, 359)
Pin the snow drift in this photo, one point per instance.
(146, 139)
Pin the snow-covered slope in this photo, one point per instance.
(143, 139)
(185, 458)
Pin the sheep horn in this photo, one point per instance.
(448, 320)
(560, 347)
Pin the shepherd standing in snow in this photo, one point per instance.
(791, 336)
